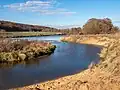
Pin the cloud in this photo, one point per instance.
(47, 7)
(56, 11)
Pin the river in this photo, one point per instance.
(67, 59)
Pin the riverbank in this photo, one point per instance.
(89, 39)
(12, 50)
(27, 34)
(103, 76)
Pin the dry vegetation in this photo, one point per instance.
(21, 50)
(27, 34)
(100, 39)
(13, 27)
(99, 26)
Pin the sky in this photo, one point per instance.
(59, 13)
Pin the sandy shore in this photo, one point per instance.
(104, 76)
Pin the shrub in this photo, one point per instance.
(8, 45)
(99, 26)
(20, 50)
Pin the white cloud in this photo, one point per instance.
(48, 7)
(55, 11)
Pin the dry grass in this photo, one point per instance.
(18, 50)
(26, 34)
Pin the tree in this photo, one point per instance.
(99, 26)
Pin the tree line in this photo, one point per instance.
(18, 27)
(92, 26)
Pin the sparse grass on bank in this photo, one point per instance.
(27, 34)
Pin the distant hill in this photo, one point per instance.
(18, 27)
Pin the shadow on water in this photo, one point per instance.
(68, 58)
